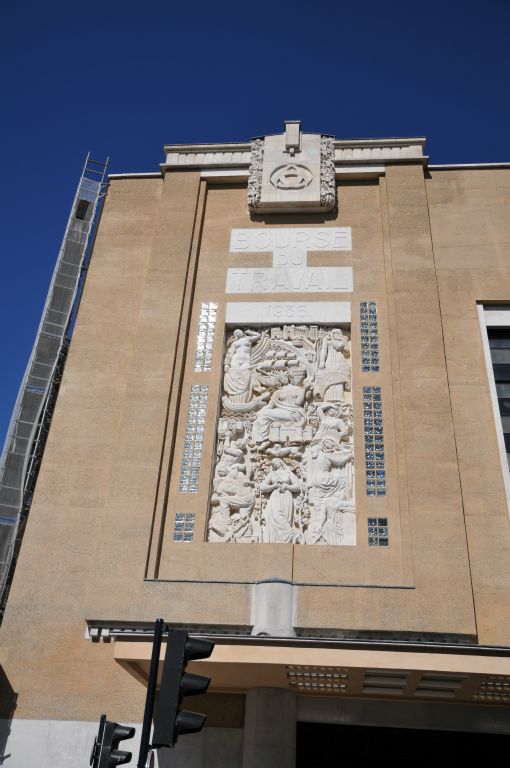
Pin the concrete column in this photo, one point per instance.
(269, 729)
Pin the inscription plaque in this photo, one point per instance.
(296, 280)
(305, 238)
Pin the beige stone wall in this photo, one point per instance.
(99, 544)
(87, 540)
(471, 230)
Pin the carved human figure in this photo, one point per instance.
(233, 454)
(284, 408)
(238, 371)
(325, 526)
(332, 523)
(331, 491)
(219, 521)
(241, 526)
(329, 477)
(234, 494)
(333, 372)
(282, 485)
(331, 423)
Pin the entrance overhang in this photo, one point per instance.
(461, 677)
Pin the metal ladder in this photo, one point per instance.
(31, 417)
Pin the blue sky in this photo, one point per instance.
(123, 78)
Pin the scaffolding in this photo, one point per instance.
(31, 417)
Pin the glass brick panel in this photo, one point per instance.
(184, 526)
(369, 337)
(205, 337)
(377, 531)
(193, 441)
(374, 442)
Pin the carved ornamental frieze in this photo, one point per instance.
(292, 172)
(284, 464)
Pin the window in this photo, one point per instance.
(377, 531)
(374, 442)
(184, 525)
(495, 326)
(81, 209)
(499, 344)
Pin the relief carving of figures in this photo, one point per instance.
(333, 375)
(284, 416)
(234, 497)
(241, 363)
(278, 515)
(238, 370)
(335, 420)
(284, 467)
(330, 490)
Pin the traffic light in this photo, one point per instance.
(170, 722)
(104, 752)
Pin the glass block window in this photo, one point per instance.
(183, 526)
(194, 439)
(374, 442)
(369, 337)
(377, 531)
(321, 680)
(205, 336)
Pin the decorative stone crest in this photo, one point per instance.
(292, 172)
(291, 177)
(284, 466)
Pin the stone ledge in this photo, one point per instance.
(346, 151)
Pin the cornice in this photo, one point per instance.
(347, 151)
(468, 166)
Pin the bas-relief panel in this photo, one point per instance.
(284, 463)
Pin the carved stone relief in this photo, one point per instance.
(328, 185)
(255, 177)
(291, 177)
(284, 464)
(292, 172)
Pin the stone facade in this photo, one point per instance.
(310, 382)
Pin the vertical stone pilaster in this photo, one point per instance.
(168, 297)
(434, 493)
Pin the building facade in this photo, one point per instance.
(300, 345)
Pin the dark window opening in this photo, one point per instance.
(81, 209)
(499, 343)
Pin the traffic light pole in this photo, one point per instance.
(151, 692)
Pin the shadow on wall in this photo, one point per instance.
(8, 699)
